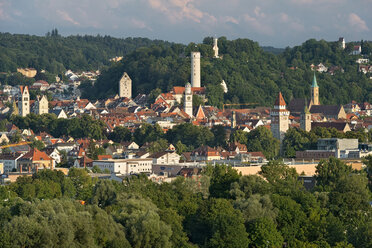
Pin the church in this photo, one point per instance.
(304, 110)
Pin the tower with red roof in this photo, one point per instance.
(279, 118)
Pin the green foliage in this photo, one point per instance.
(263, 233)
(147, 133)
(38, 144)
(120, 134)
(59, 223)
(85, 126)
(329, 172)
(56, 54)
(262, 140)
(221, 178)
(190, 135)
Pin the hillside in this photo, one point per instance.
(55, 53)
(251, 74)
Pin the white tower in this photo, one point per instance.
(125, 86)
(187, 101)
(215, 47)
(195, 69)
(279, 118)
(24, 101)
(41, 106)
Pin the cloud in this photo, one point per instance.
(229, 19)
(3, 12)
(258, 25)
(358, 23)
(291, 22)
(139, 24)
(178, 10)
(66, 17)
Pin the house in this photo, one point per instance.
(166, 157)
(356, 50)
(55, 154)
(10, 161)
(238, 148)
(329, 111)
(83, 162)
(125, 166)
(60, 113)
(35, 160)
(340, 126)
(205, 153)
(4, 138)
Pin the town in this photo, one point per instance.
(248, 151)
(160, 159)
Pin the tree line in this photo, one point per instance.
(220, 208)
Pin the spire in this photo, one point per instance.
(315, 84)
(280, 100)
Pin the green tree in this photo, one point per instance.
(221, 178)
(329, 172)
(262, 140)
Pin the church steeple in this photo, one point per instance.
(315, 91)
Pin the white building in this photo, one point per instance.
(41, 105)
(195, 69)
(188, 100)
(165, 158)
(125, 166)
(125, 86)
(10, 161)
(215, 47)
(24, 101)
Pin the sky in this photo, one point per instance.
(278, 23)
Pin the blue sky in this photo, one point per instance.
(277, 23)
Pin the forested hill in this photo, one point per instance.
(56, 54)
(251, 74)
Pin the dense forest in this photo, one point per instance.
(253, 74)
(57, 54)
(219, 208)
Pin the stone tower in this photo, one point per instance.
(215, 47)
(342, 42)
(305, 121)
(125, 86)
(24, 101)
(279, 118)
(233, 120)
(315, 92)
(187, 101)
(195, 69)
(41, 105)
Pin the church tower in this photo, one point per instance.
(215, 47)
(305, 121)
(315, 92)
(125, 86)
(41, 105)
(195, 69)
(187, 101)
(24, 101)
(279, 118)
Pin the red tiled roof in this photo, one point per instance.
(36, 155)
(280, 100)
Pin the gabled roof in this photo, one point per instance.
(325, 109)
(36, 155)
(280, 100)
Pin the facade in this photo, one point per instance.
(41, 105)
(125, 166)
(215, 47)
(24, 101)
(305, 121)
(279, 118)
(9, 161)
(188, 100)
(35, 160)
(343, 148)
(125, 86)
(195, 69)
(315, 92)
(165, 158)
(342, 42)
